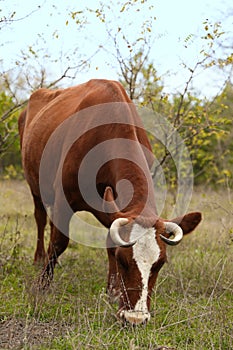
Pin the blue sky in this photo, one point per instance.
(51, 28)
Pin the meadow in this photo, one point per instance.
(192, 307)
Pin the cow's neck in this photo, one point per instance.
(136, 195)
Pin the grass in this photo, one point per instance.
(192, 307)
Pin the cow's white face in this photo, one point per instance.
(137, 268)
(146, 253)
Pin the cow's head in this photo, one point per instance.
(140, 253)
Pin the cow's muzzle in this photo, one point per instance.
(134, 317)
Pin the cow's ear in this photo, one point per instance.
(188, 222)
(109, 204)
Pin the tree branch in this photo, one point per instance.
(183, 94)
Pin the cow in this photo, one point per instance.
(59, 130)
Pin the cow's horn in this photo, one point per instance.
(177, 232)
(114, 232)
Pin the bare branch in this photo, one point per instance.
(4, 20)
(183, 94)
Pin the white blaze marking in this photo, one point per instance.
(145, 252)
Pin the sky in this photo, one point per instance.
(47, 26)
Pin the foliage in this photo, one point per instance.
(9, 141)
(140, 78)
(203, 124)
(224, 145)
(203, 127)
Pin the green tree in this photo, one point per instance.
(9, 142)
(222, 146)
(139, 77)
(204, 125)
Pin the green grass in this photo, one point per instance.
(192, 307)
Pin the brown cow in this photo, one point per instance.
(84, 148)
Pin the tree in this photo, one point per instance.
(28, 72)
(9, 143)
(139, 77)
(222, 146)
(201, 123)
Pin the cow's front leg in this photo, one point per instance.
(113, 286)
(59, 239)
(58, 244)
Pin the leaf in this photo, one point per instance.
(123, 8)
(210, 36)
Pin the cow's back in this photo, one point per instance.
(47, 110)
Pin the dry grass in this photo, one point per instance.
(191, 309)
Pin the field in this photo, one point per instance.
(192, 307)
